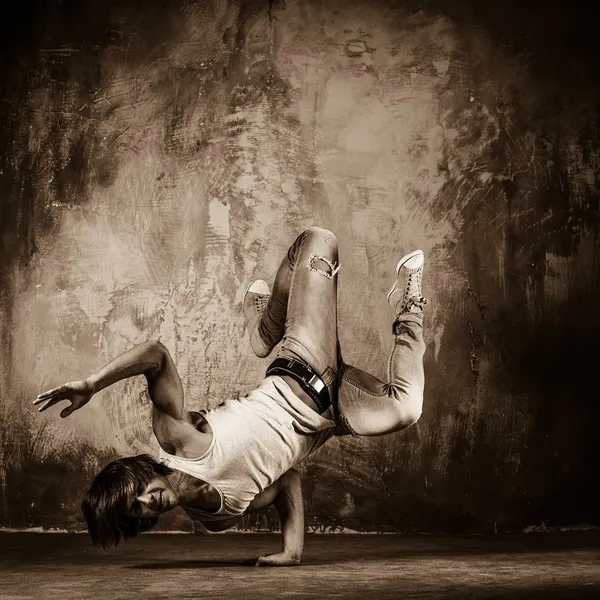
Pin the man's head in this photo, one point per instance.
(126, 498)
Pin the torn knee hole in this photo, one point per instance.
(322, 265)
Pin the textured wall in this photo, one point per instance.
(155, 158)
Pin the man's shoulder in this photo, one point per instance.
(177, 436)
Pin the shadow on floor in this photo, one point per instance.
(193, 564)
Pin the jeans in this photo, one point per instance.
(302, 313)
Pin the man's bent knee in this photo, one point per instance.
(327, 236)
(322, 240)
(324, 251)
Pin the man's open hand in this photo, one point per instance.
(78, 392)
(283, 559)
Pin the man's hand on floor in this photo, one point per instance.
(282, 559)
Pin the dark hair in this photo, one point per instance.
(108, 493)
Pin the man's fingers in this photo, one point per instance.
(47, 404)
(41, 399)
(44, 398)
(49, 394)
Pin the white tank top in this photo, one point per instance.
(256, 439)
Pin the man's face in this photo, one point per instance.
(156, 498)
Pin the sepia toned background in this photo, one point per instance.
(158, 156)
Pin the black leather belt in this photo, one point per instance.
(310, 382)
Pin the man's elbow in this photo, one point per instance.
(157, 353)
(289, 488)
(291, 478)
(284, 488)
(157, 347)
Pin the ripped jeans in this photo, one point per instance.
(302, 311)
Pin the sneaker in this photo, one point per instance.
(256, 299)
(407, 297)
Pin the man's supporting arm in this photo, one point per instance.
(286, 495)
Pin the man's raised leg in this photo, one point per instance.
(368, 406)
(311, 334)
(302, 310)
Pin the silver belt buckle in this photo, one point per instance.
(316, 383)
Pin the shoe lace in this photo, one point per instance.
(412, 294)
(413, 287)
(416, 301)
(260, 303)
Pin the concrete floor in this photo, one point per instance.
(67, 567)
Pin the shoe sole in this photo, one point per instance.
(400, 264)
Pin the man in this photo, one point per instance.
(223, 463)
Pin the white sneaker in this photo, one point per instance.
(407, 296)
(256, 299)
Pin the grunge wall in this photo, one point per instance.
(157, 156)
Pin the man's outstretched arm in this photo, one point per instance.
(151, 359)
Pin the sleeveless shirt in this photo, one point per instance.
(256, 439)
